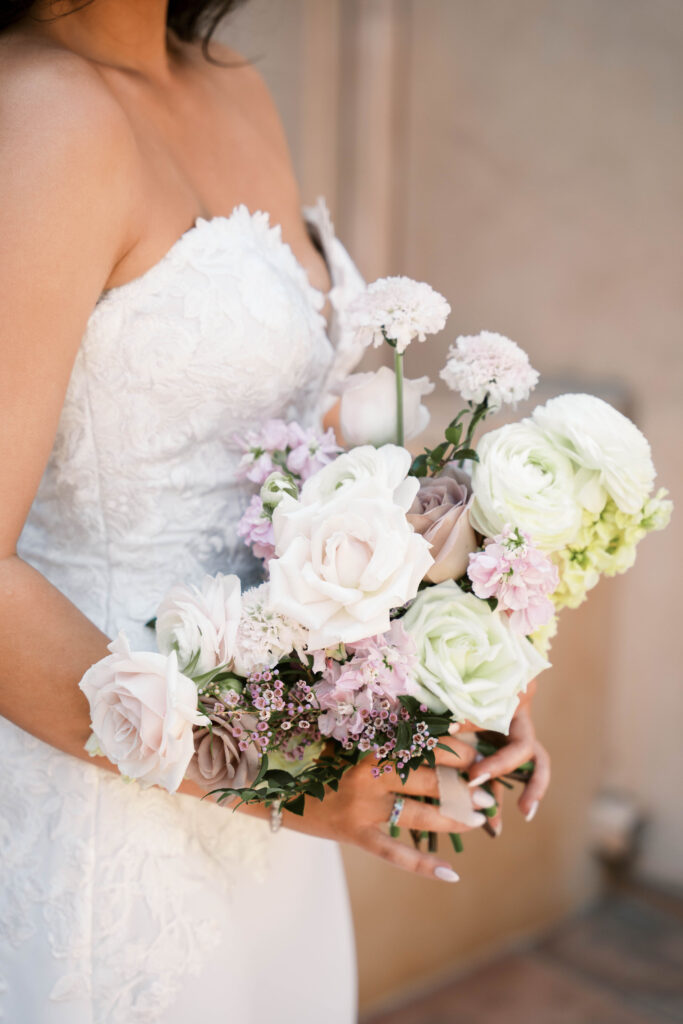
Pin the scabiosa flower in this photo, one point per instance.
(397, 309)
(264, 636)
(519, 576)
(256, 528)
(310, 450)
(489, 364)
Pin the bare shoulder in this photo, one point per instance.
(58, 122)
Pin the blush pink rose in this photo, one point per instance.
(142, 710)
(440, 514)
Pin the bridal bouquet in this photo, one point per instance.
(402, 597)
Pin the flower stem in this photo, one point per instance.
(398, 366)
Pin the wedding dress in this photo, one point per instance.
(120, 905)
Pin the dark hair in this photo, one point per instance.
(191, 20)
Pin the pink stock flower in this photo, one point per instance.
(518, 575)
(310, 450)
(257, 529)
(366, 686)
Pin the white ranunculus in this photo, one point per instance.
(343, 562)
(470, 663)
(387, 467)
(368, 407)
(191, 620)
(613, 456)
(142, 710)
(524, 480)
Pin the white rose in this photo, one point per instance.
(524, 480)
(191, 621)
(368, 407)
(142, 711)
(470, 663)
(614, 456)
(387, 467)
(344, 563)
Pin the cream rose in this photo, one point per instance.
(439, 513)
(522, 479)
(142, 710)
(470, 663)
(368, 407)
(344, 561)
(612, 456)
(203, 622)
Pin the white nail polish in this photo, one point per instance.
(532, 813)
(498, 829)
(452, 729)
(480, 780)
(446, 874)
(482, 799)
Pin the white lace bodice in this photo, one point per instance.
(139, 491)
(122, 887)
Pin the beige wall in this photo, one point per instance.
(525, 158)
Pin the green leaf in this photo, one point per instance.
(278, 776)
(152, 624)
(403, 736)
(419, 466)
(466, 453)
(442, 746)
(453, 434)
(316, 789)
(296, 806)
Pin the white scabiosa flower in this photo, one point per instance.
(397, 309)
(264, 636)
(489, 364)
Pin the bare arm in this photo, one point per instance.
(65, 159)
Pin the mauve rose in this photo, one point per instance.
(218, 761)
(440, 514)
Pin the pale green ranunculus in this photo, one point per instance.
(470, 663)
(522, 479)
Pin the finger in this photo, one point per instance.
(505, 760)
(536, 787)
(428, 818)
(404, 857)
(461, 755)
(420, 782)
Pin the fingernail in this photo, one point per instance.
(498, 828)
(452, 729)
(532, 812)
(480, 798)
(480, 780)
(446, 874)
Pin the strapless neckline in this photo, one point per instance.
(222, 222)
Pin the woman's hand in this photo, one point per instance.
(359, 811)
(522, 746)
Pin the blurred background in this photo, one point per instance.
(526, 158)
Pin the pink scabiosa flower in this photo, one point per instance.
(489, 364)
(397, 309)
(256, 528)
(518, 575)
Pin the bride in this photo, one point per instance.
(150, 311)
